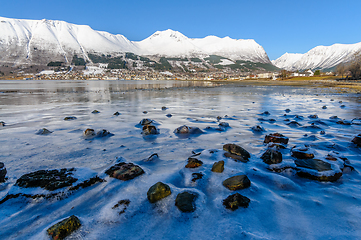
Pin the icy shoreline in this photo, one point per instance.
(282, 204)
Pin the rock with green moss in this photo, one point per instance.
(64, 228)
(218, 167)
(235, 201)
(185, 201)
(158, 191)
(237, 182)
(69, 118)
(193, 163)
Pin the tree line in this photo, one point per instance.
(352, 69)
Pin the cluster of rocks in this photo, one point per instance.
(90, 133)
(305, 164)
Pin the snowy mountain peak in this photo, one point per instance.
(320, 57)
(169, 33)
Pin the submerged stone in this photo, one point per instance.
(293, 124)
(69, 118)
(43, 131)
(357, 140)
(2, 124)
(116, 114)
(145, 121)
(2, 172)
(314, 164)
(258, 128)
(276, 138)
(150, 130)
(193, 163)
(47, 179)
(237, 150)
(124, 171)
(95, 111)
(187, 130)
(218, 167)
(185, 201)
(302, 152)
(158, 191)
(237, 182)
(313, 116)
(64, 228)
(272, 156)
(164, 108)
(235, 201)
(197, 176)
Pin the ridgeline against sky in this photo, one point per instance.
(278, 26)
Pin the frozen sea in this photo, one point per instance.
(283, 205)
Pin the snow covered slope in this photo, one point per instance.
(42, 41)
(320, 57)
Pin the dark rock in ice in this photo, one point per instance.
(313, 126)
(125, 203)
(319, 122)
(333, 117)
(218, 167)
(276, 138)
(299, 117)
(69, 118)
(95, 111)
(104, 133)
(237, 182)
(266, 120)
(302, 152)
(169, 115)
(235, 201)
(150, 130)
(266, 113)
(89, 133)
(258, 129)
(342, 106)
(2, 172)
(287, 110)
(313, 116)
(187, 130)
(293, 124)
(152, 157)
(116, 114)
(193, 163)
(43, 131)
(219, 118)
(145, 112)
(164, 108)
(2, 124)
(185, 201)
(223, 124)
(235, 157)
(158, 191)
(272, 156)
(64, 228)
(324, 107)
(145, 121)
(322, 132)
(344, 122)
(197, 176)
(315, 164)
(276, 145)
(47, 179)
(124, 171)
(320, 170)
(356, 121)
(237, 150)
(357, 140)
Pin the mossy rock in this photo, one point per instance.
(302, 152)
(237, 150)
(193, 163)
(237, 182)
(158, 191)
(64, 228)
(314, 164)
(272, 156)
(124, 171)
(218, 167)
(185, 201)
(70, 118)
(235, 201)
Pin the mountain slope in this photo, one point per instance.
(43, 41)
(320, 57)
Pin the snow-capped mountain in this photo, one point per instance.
(321, 57)
(42, 41)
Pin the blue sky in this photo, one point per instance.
(279, 26)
